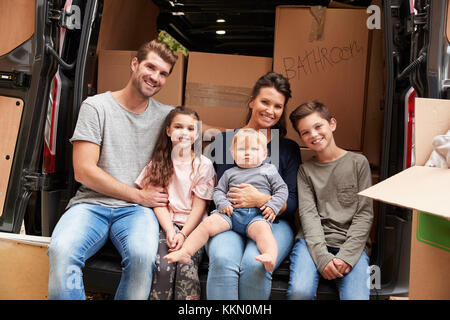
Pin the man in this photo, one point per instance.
(113, 140)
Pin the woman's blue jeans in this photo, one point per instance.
(83, 229)
(304, 276)
(233, 271)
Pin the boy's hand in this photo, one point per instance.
(177, 242)
(342, 266)
(268, 213)
(228, 210)
(330, 271)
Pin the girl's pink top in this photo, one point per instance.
(183, 185)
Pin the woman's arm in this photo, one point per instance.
(247, 196)
(290, 160)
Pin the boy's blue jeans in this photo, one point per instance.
(83, 229)
(304, 277)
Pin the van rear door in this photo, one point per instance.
(32, 36)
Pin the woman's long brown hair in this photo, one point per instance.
(160, 170)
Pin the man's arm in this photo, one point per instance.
(87, 172)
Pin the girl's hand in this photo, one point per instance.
(170, 238)
(228, 210)
(268, 213)
(178, 242)
(247, 196)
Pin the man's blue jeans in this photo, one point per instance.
(233, 271)
(83, 229)
(304, 276)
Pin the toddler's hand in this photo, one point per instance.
(228, 210)
(268, 213)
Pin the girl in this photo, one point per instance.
(189, 179)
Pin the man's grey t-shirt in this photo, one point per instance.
(126, 141)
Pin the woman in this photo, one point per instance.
(233, 271)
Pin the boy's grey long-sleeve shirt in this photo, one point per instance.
(331, 212)
(264, 178)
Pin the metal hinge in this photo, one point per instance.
(15, 79)
(35, 181)
(66, 19)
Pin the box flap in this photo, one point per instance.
(421, 188)
(432, 118)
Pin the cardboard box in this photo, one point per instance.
(24, 267)
(324, 54)
(218, 86)
(126, 25)
(425, 190)
(114, 72)
(17, 23)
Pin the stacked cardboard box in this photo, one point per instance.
(218, 86)
(114, 71)
(324, 54)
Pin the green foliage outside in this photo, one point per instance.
(173, 44)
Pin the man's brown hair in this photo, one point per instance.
(160, 48)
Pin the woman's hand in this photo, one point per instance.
(247, 196)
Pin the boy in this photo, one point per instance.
(249, 149)
(335, 221)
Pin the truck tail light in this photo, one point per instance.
(51, 126)
(408, 158)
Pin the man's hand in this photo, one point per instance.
(228, 210)
(152, 196)
(247, 196)
(330, 271)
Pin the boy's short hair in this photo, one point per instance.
(307, 108)
(160, 48)
(246, 132)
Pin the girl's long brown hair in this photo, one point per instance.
(160, 170)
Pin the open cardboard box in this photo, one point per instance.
(426, 191)
(24, 267)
